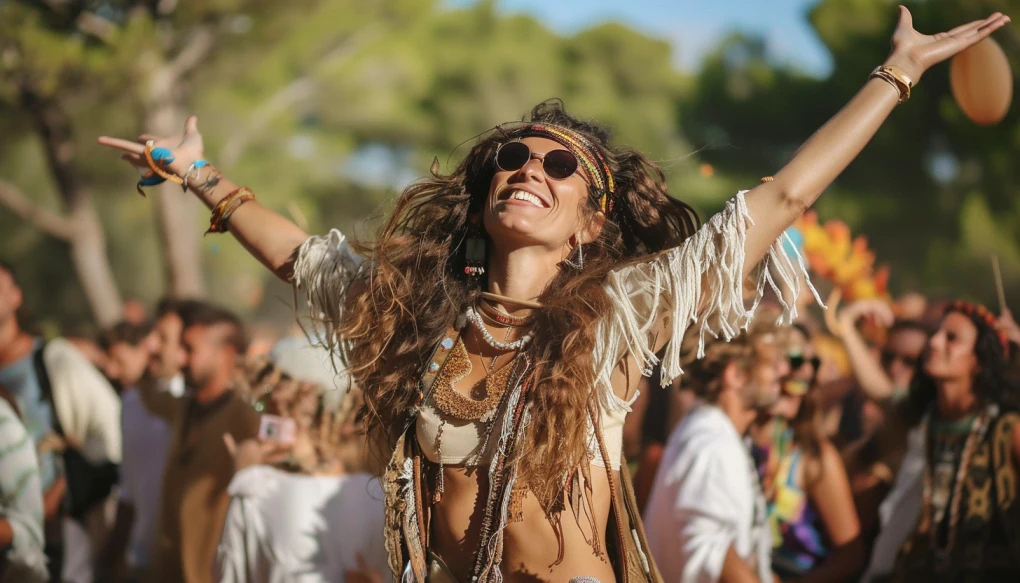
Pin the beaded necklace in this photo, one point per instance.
(476, 320)
(500, 316)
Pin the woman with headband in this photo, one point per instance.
(969, 411)
(499, 324)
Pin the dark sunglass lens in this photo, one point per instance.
(559, 164)
(816, 362)
(796, 362)
(886, 358)
(512, 156)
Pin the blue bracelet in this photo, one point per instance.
(150, 179)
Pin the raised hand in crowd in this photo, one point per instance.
(874, 381)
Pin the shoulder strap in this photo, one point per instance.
(42, 375)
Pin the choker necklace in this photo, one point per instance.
(475, 319)
(504, 299)
(500, 316)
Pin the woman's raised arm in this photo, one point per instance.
(267, 235)
(702, 283)
(773, 206)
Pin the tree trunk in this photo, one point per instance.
(88, 252)
(85, 235)
(176, 211)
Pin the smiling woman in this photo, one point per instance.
(500, 322)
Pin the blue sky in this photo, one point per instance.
(692, 26)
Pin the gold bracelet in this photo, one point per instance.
(216, 221)
(895, 77)
(221, 226)
(225, 201)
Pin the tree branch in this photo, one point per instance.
(197, 48)
(288, 96)
(96, 26)
(46, 221)
(280, 101)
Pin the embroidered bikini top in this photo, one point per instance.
(457, 430)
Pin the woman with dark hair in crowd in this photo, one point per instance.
(969, 525)
(499, 324)
(815, 531)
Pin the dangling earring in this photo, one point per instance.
(474, 248)
(579, 263)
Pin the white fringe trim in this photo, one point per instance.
(671, 288)
(324, 268)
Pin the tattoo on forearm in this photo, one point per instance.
(210, 183)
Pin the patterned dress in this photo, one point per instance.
(982, 543)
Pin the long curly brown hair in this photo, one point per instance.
(402, 306)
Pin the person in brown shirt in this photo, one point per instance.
(198, 467)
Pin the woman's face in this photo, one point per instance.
(528, 208)
(950, 353)
(801, 357)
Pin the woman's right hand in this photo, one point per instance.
(186, 148)
(877, 310)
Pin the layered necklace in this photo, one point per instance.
(458, 367)
(456, 405)
(501, 317)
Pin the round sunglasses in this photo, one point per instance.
(557, 164)
(798, 360)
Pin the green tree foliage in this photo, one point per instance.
(327, 108)
(301, 103)
(935, 194)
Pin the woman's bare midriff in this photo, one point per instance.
(531, 546)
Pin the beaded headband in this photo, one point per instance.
(979, 312)
(587, 154)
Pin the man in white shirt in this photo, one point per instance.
(705, 517)
(321, 519)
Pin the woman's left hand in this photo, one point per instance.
(252, 452)
(915, 53)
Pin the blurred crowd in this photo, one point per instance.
(879, 442)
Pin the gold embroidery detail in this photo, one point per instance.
(517, 496)
(979, 502)
(1005, 473)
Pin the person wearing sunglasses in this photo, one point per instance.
(815, 530)
(503, 317)
(961, 510)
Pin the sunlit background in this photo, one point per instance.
(328, 108)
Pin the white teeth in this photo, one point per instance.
(527, 197)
